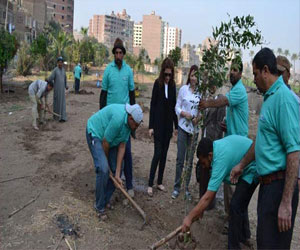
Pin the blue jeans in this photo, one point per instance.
(128, 165)
(104, 185)
(185, 147)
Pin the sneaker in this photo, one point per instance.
(188, 196)
(175, 194)
(131, 193)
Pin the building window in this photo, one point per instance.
(63, 8)
(62, 17)
(54, 6)
(53, 14)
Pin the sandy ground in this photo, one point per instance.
(60, 174)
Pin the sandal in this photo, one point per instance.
(150, 191)
(161, 188)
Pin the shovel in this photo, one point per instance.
(136, 206)
(166, 239)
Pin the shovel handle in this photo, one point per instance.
(166, 239)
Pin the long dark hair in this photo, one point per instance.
(166, 64)
(194, 67)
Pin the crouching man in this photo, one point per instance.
(221, 156)
(37, 90)
(107, 132)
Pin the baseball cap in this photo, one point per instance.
(283, 63)
(135, 111)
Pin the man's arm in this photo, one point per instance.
(214, 103)
(103, 99)
(197, 212)
(120, 156)
(105, 146)
(132, 97)
(237, 171)
(285, 208)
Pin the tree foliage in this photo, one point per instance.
(25, 61)
(175, 55)
(8, 49)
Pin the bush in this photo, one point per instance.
(25, 61)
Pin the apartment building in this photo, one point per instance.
(61, 11)
(6, 14)
(137, 34)
(172, 39)
(153, 35)
(106, 28)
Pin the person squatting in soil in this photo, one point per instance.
(276, 151)
(237, 114)
(161, 120)
(118, 88)
(107, 132)
(37, 90)
(187, 111)
(221, 156)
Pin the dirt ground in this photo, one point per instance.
(58, 172)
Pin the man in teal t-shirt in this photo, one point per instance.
(77, 76)
(107, 132)
(276, 152)
(221, 156)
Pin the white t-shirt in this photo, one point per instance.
(166, 90)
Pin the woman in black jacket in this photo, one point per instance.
(162, 117)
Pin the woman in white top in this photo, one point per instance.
(187, 111)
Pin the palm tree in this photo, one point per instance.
(294, 57)
(279, 51)
(286, 52)
(84, 31)
(60, 43)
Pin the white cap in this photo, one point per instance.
(135, 111)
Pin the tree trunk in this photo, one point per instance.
(1, 75)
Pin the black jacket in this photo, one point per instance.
(162, 111)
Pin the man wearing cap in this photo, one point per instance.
(276, 153)
(59, 77)
(77, 76)
(118, 87)
(283, 66)
(107, 132)
(37, 90)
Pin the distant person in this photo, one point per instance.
(220, 157)
(118, 87)
(187, 111)
(276, 152)
(237, 114)
(283, 66)
(161, 120)
(77, 76)
(213, 117)
(59, 77)
(37, 90)
(107, 132)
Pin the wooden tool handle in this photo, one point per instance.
(166, 239)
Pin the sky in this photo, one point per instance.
(278, 20)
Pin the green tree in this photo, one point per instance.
(59, 43)
(175, 55)
(101, 54)
(25, 60)
(8, 49)
(84, 31)
(294, 58)
(279, 51)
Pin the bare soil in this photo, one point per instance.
(60, 167)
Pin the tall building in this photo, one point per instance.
(189, 56)
(6, 16)
(153, 35)
(61, 11)
(172, 39)
(106, 28)
(137, 34)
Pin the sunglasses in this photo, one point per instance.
(168, 74)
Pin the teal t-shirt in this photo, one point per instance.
(117, 83)
(237, 111)
(77, 72)
(278, 132)
(110, 123)
(227, 153)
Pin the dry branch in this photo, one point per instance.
(15, 178)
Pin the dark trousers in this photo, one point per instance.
(269, 198)
(239, 230)
(128, 165)
(77, 85)
(161, 147)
